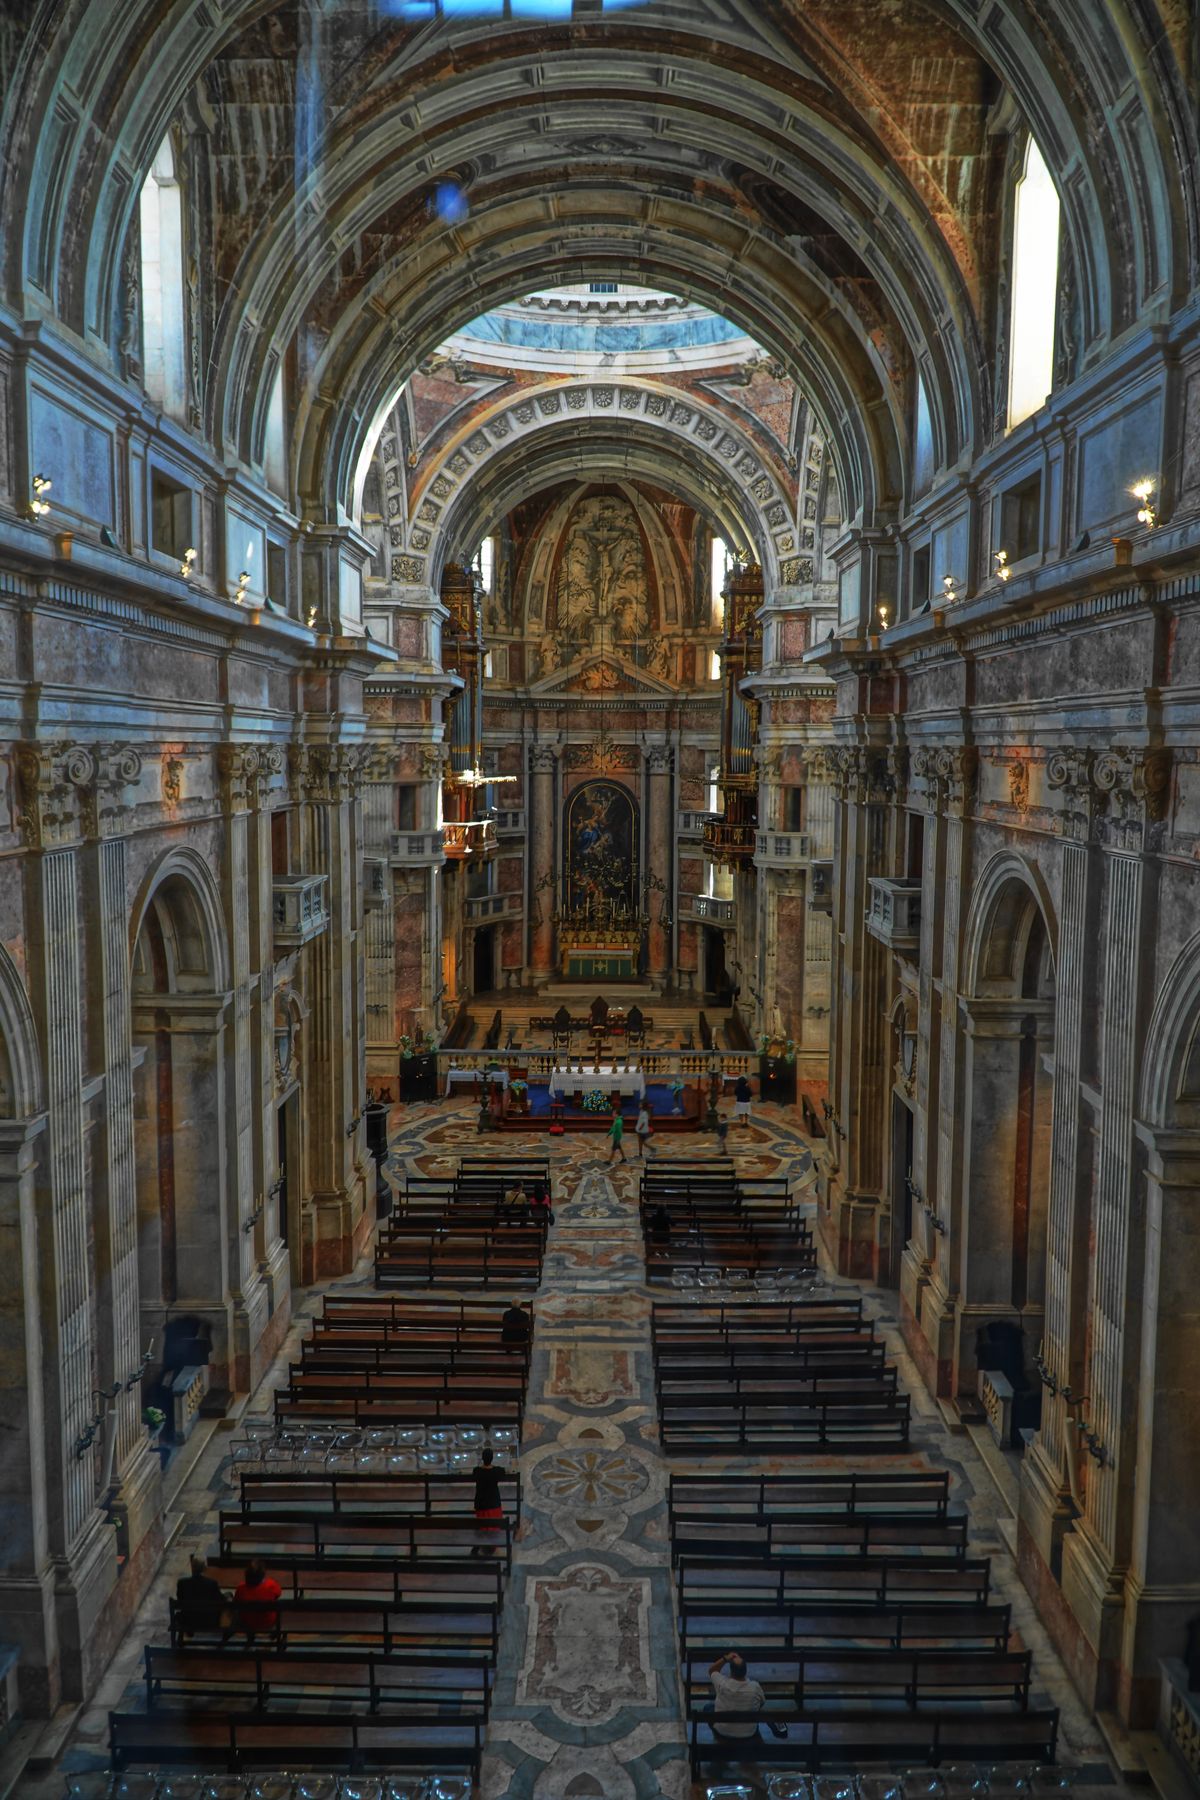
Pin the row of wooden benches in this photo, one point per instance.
(869, 1627)
(391, 1590)
(812, 1379)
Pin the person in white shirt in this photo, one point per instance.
(642, 1131)
(733, 1692)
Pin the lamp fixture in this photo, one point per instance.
(189, 557)
(312, 618)
(1142, 490)
(950, 589)
(243, 582)
(1003, 572)
(883, 612)
(39, 506)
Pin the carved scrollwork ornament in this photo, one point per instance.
(1018, 786)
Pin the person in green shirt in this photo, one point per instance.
(616, 1133)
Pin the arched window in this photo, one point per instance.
(721, 561)
(275, 444)
(162, 284)
(485, 563)
(1034, 288)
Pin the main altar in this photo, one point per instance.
(601, 943)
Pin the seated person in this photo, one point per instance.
(202, 1605)
(539, 1206)
(733, 1693)
(514, 1326)
(252, 1601)
(516, 1201)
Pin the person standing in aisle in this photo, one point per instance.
(616, 1134)
(643, 1130)
(741, 1101)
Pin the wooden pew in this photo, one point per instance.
(190, 1678)
(350, 1493)
(373, 1622)
(708, 1627)
(925, 1492)
(724, 1419)
(264, 1538)
(853, 1736)
(237, 1740)
(822, 1534)
(451, 1579)
(929, 1579)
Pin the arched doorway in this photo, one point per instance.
(179, 1011)
(1008, 1108)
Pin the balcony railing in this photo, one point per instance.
(494, 906)
(782, 849)
(418, 847)
(468, 837)
(730, 843)
(300, 909)
(691, 824)
(511, 824)
(820, 887)
(894, 914)
(706, 909)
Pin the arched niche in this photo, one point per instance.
(1008, 1015)
(180, 1003)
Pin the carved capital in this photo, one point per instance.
(54, 782)
(239, 768)
(1135, 786)
(947, 774)
(543, 759)
(327, 774)
(660, 759)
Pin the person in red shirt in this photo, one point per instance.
(251, 1600)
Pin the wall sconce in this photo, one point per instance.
(354, 1124)
(1142, 490)
(255, 1216)
(312, 618)
(1002, 570)
(39, 506)
(950, 589)
(883, 613)
(276, 1188)
(185, 567)
(243, 584)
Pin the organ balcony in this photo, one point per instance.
(690, 825)
(463, 838)
(301, 911)
(894, 914)
(730, 843)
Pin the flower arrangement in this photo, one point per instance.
(406, 1045)
(595, 1102)
(153, 1418)
(517, 1086)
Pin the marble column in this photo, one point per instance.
(660, 859)
(1045, 1508)
(1095, 1552)
(1162, 1587)
(27, 1577)
(543, 842)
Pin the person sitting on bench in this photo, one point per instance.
(202, 1604)
(540, 1207)
(514, 1327)
(258, 1587)
(733, 1693)
(516, 1201)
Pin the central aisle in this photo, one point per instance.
(587, 1696)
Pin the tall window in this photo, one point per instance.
(275, 448)
(162, 284)
(485, 563)
(1034, 288)
(721, 560)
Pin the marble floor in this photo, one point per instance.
(587, 1699)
